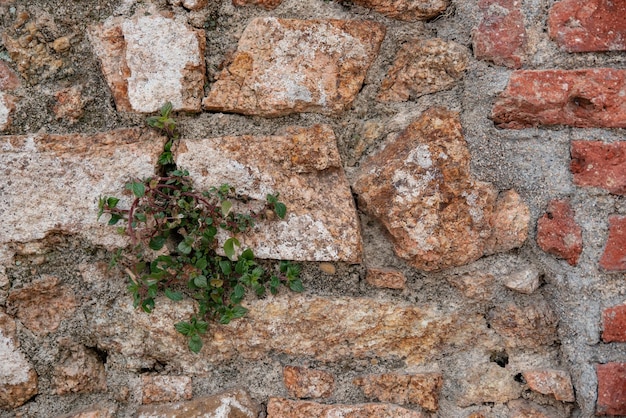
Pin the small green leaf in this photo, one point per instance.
(166, 109)
(226, 207)
(239, 312)
(184, 328)
(280, 209)
(216, 282)
(141, 217)
(112, 202)
(296, 285)
(114, 219)
(175, 296)
(147, 305)
(239, 291)
(156, 243)
(195, 344)
(226, 267)
(247, 254)
(229, 247)
(202, 263)
(138, 189)
(184, 247)
(200, 281)
(271, 199)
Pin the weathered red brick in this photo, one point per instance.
(501, 36)
(588, 25)
(558, 233)
(599, 164)
(614, 324)
(583, 98)
(614, 257)
(611, 389)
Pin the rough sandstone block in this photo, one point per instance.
(551, 382)
(584, 98)
(304, 167)
(588, 26)
(97, 411)
(407, 10)
(529, 324)
(614, 256)
(614, 324)
(149, 60)
(8, 81)
(231, 404)
(302, 382)
(488, 383)
(284, 408)
(78, 370)
(501, 36)
(419, 186)
(524, 281)
(285, 66)
(558, 233)
(423, 67)
(599, 164)
(158, 389)
(418, 389)
(266, 4)
(385, 278)
(611, 389)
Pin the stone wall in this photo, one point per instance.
(454, 173)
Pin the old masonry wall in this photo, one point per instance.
(454, 173)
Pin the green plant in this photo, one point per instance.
(174, 236)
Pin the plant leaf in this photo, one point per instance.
(226, 207)
(184, 247)
(195, 344)
(184, 328)
(138, 189)
(175, 296)
(280, 209)
(296, 285)
(201, 282)
(226, 267)
(156, 243)
(229, 247)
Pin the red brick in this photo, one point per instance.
(588, 25)
(558, 233)
(614, 257)
(614, 324)
(611, 389)
(583, 98)
(599, 164)
(501, 36)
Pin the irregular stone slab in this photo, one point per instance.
(488, 383)
(614, 324)
(78, 370)
(266, 4)
(419, 186)
(559, 234)
(328, 329)
(308, 383)
(582, 98)
(520, 408)
(149, 60)
(284, 408)
(18, 379)
(190, 4)
(231, 404)
(158, 389)
(385, 278)
(614, 255)
(8, 79)
(42, 304)
(304, 167)
(69, 104)
(501, 36)
(588, 26)
(524, 281)
(525, 325)
(476, 285)
(7, 107)
(78, 170)
(611, 393)
(285, 66)
(419, 389)
(551, 382)
(407, 10)
(94, 412)
(599, 164)
(424, 67)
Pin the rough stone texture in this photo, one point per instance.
(524, 281)
(266, 4)
(385, 278)
(69, 104)
(407, 10)
(611, 389)
(18, 379)
(559, 234)
(582, 98)
(234, 403)
(525, 409)
(501, 36)
(150, 60)
(7, 107)
(340, 328)
(614, 256)
(476, 285)
(157, 389)
(614, 324)
(284, 408)
(8, 79)
(419, 186)
(551, 382)
(42, 304)
(599, 164)
(302, 382)
(94, 412)
(588, 26)
(190, 4)
(423, 67)
(304, 166)
(78, 370)
(488, 383)
(285, 66)
(78, 170)
(419, 389)
(529, 324)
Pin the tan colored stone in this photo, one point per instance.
(285, 66)
(77, 169)
(69, 105)
(234, 403)
(524, 409)
(385, 278)
(149, 60)
(424, 67)
(527, 324)
(408, 10)
(488, 383)
(8, 79)
(190, 4)
(7, 107)
(302, 382)
(61, 44)
(339, 327)
(93, 412)
(42, 304)
(328, 268)
(419, 186)
(551, 382)
(266, 4)
(304, 167)
(158, 389)
(284, 408)
(18, 379)
(524, 281)
(419, 389)
(78, 370)
(479, 286)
